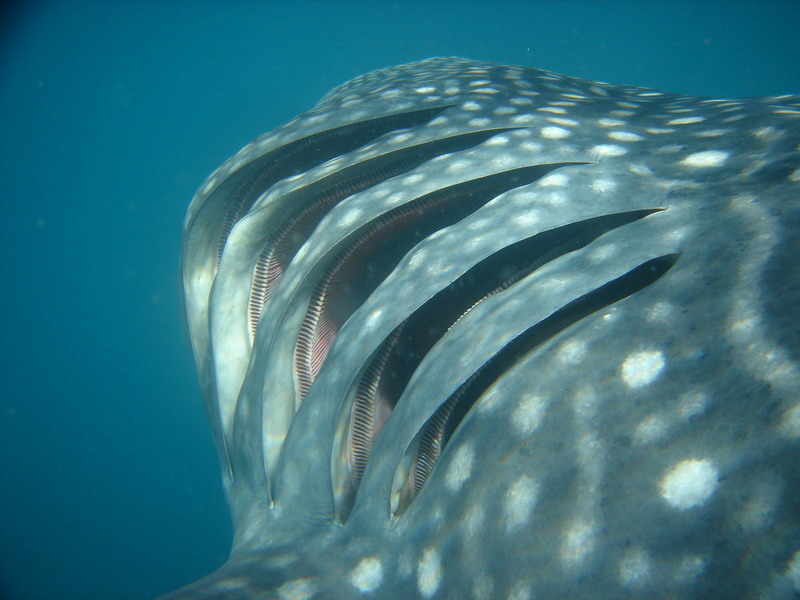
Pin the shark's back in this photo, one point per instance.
(469, 330)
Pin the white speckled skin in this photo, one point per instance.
(652, 449)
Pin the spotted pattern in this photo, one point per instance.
(429, 573)
(528, 415)
(519, 502)
(647, 448)
(634, 568)
(367, 576)
(460, 467)
(689, 483)
(642, 368)
(709, 158)
(578, 543)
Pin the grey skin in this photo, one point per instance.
(595, 391)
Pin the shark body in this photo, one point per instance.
(470, 330)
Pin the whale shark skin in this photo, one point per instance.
(471, 330)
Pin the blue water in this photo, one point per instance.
(111, 115)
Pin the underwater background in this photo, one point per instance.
(112, 114)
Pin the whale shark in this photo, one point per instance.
(474, 330)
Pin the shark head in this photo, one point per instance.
(472, 330)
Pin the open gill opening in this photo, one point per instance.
(304, 154)
(365, 420)
(354, 273)
(387, 373)
(429, 443)
(311, 203)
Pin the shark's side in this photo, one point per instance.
(471, 330)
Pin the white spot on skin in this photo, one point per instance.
(661, 311)
(733, 119)
(572, 352)
(367, 576)
(656, 426)
(401, 138)
(527, 417)
(691, 405)
(373, 319)
(417, 259)
(350, 217)
(405, 564)
(608, 150)
(505, 110)
(460, 467)
(691, 567)
(556, 198)
(561, 121)
(649, 430)
(658, 130)
(589, 448)
(519, 501)
(689, 483)
(555, 133)
(603, 186)
(634, 570)
(639, 169)
(473, 520)
(552, 109)
(523, 119)
(767, 133)
(436, 513)
(429, 573)
(709, 158)
(578, 543)
(685, 121)
(526, 219)
(399, 197)
(456, 166)
(208, 185)
(711, 133)
(498, 140)
(603, 253)
(625, 136)
(389, 94)
(530, 147)
(605, 122)
(482, 587)
(554, 180)
(642, 368)
(300, 589)
(520, 591)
